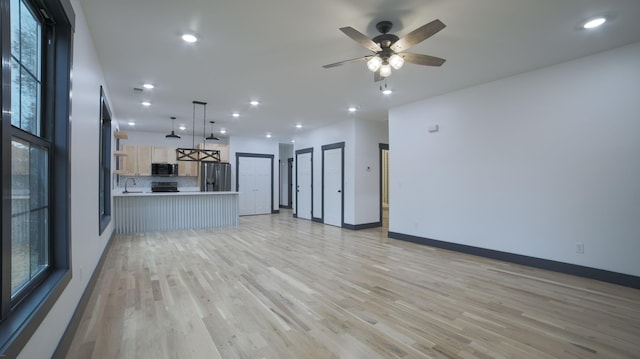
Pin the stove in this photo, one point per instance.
(164, 187)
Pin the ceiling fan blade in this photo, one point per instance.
(377, 77)
(418, 35)
(361, 38)
(359, 59)
(420, 59)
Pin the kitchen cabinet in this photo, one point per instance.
(188, 168)
(137, 161)
(223, 148)
(163, 155)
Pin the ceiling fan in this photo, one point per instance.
(389, 49)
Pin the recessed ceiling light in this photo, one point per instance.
(298, 126)
(189, 38)
(268, 134)
(131, 123)
(148, 86)
(223, 131)
(387, 92)
(352, 109)
(146, 103)
(182, 127)
(293, 141)
(593, 23)
(254, 103)
(235, 114)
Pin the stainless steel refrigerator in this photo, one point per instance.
(215, 176)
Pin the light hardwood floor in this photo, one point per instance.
(277, 287)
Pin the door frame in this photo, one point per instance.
(256, 155)
(381, 147)
(290, 179)
(334, 146)
(301, 152)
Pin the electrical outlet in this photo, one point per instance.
(579, 248)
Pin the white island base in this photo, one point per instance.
(151, 212)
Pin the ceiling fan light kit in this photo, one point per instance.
(388, 48)
(385, 70)
(396, 61)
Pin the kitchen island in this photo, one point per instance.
(138, 212)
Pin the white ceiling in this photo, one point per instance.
(273, 51)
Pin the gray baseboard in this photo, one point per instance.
(561, 267)
(362, 226)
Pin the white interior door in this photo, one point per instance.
(254, 181)
(262, 185)
(303, 186)
(246, 184)
(332, 193)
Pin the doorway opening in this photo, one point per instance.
(384, 185)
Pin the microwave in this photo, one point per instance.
(164, 169)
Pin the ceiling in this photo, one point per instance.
(273, 52)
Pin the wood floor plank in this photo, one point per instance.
(279, 287)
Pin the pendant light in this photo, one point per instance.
(199, 154)
(173, 127)
(211, 136)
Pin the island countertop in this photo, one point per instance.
(180, 193)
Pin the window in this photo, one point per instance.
(104, 190)
(34, 177)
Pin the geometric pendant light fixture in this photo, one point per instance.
(200, 154)
(173, 132)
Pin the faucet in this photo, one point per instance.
(127, 182)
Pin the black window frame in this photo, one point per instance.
(104, 186)
(19, 319)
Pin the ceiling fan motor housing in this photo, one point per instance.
(384, 26)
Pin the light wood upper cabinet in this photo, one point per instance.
(129, 163)
(188, 168)
(224, 150)
(144, 160)
(137, 161)
(163, 155)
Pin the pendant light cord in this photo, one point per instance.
(193, 127)
(204, 124)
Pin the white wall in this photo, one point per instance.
(529, 164)
(368, 136)
(339, 132)
(86, 245)
(361, 186)
(260, 146)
